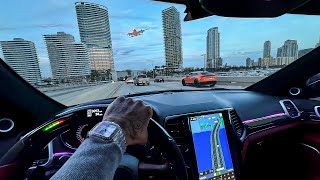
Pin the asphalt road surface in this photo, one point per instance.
(108, 90)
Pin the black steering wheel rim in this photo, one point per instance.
(37, 139)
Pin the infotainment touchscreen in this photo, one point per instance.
(211, 147)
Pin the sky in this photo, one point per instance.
(239, 37)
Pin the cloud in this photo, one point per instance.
(126, 52)
(38, 26)
(120, 16)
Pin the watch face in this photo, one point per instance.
(106, 130)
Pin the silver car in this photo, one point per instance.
(141, 79)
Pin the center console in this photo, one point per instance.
(208, 142)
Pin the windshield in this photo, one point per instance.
(76, 52)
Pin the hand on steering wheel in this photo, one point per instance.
(134, 120)
(132, 116)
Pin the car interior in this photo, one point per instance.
(271, 128)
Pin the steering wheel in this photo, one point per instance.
(15, 162)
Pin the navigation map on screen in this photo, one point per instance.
(211, 147)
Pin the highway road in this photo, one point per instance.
(85, 94)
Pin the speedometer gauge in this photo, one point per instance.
(74, 137)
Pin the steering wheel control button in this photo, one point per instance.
(6, 125)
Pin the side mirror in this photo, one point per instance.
(314, 82)
(313, 86)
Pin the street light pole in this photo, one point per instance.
(204, 61)
(152, 69)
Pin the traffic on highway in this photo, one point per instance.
(81, 94)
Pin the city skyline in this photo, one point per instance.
(240, 40)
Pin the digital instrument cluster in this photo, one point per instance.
(87, 118)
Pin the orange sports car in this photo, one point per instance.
(200, 78)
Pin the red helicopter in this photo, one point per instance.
(136, 33)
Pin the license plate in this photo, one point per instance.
(210, 78)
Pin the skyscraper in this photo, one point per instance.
(267, 53)
(260, 62)
(22, 57)
(94, 28)
(289, 52)
(267, 49)
(279, 56)
(249, 62)
(303, 52)
(218, 63)
(172, 38)
(318, 44)
(69, 60)
(213, 47)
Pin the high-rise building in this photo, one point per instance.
(318, 44)
(249, 62)
(303, 52)
(218, 63)
(267, 53)
(69, 60)
(279, 56)
(172, 38)
(267, 49)
(213, 47)
(22, 57)
(273, 61)
(94, 28)
(288, 52)
(260, 62)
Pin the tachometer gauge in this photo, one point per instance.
(81, 132)
(74, 137)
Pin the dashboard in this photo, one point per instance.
(212, 128)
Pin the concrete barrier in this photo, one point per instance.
(224, 79)
(66, 87)
(230, 79)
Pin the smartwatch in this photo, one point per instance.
(108, 132)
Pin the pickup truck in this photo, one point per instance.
(141, 79)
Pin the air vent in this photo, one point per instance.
(317, 110)
(175, 128)
(236, 123)
(290, 108)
